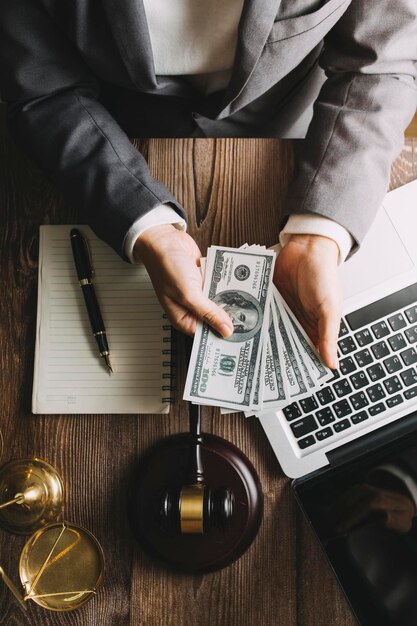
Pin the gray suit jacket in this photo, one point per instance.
(79, 79)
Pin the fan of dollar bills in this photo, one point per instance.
(269, 360)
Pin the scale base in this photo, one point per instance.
(44, 493)
(164, 467)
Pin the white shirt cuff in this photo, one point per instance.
(309, 224)
(161, 214)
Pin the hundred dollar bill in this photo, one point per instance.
(222, 372)
(318, 370)
(296, 384)
(276, 392)
(303, 360)
(257, 389)
(275, 388)
(304, 367)
(224, 410)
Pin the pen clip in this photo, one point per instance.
(90, 258)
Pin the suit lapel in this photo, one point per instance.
(254, 28)
(127, 21)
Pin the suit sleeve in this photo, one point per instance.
(357, 129)
(53, 112)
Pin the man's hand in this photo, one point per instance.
(306, 276)
(172, 259)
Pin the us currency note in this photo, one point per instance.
(258, 388)
(276, 388)
(276, 394)
(296, 384)
(304, 364)
(257, 394)
(222, 372)
(225, 410)
(318, 370)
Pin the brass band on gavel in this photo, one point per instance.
(191, 509)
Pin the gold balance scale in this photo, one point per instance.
(61, 565)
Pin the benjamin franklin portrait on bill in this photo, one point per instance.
(244, 311)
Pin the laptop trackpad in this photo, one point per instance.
(381, 256)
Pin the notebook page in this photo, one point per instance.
(69, 374)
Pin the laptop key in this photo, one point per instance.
(411, 314)
(342, 425)
(410, 393)
(359, 380)
(380, 350)
(392, 385)
(304, 426)
(359, 400)
(411, 334)
(335, 376)
(397, 322)
(409, 356)
(347, 366)
(363, 337)
(346, 345)
(380, 330)
(376, 409)
(393, 364)
(325, 396)
(409, 377)
(306, 442)
(359, 417)
(375, 393)
(343, 329)
(291, 411)
(325, 416)
(342, 388)
(397, 342)
(309, 404)
(394, 401)
(325, 433)
(342, 408)
(375, 372)
(363, 357)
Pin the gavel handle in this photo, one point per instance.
(195, 470)
(195, 420)
(196, 465)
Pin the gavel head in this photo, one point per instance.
(196, 509)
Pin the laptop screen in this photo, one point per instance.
(365, 516)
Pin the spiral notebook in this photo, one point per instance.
(69, 374)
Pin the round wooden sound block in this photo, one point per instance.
(164, 467)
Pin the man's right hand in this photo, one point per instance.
(172, 259)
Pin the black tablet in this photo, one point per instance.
(364, 516)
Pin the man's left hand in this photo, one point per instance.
(307, 277)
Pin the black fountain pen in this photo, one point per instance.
(85, 274)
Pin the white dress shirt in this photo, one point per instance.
(197, 38)
(194, 38)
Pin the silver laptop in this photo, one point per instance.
(374, 393)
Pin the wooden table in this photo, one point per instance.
(232, 190)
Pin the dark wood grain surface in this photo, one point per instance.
(232, 191)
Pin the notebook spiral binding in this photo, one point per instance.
(168, 390)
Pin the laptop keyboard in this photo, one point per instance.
(377, 371)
